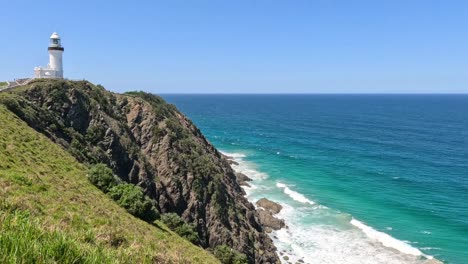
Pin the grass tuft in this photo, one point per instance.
(23, 240)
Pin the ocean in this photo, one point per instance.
(362, 178)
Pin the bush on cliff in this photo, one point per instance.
(102, 177)
(228, 255)
(160, 107)
(128, 196)
(178, 225)
(133, 199)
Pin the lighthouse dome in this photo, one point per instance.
(55, 36)
(55, 42)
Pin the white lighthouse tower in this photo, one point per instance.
(55, 55)
(55, 67)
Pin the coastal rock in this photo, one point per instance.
(242, 179)
(244, 184)
(230, 159)
(269, 205)
(266, 211)
(269, 221)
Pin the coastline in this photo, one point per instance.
(401, 251)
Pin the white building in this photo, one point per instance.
(55, 67)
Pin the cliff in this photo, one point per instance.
(51, 213)
(149, 143)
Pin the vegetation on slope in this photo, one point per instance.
(50, 212)
(126, 195)
(178, 225)
(24, 240)
(154, 148)
(229, 256)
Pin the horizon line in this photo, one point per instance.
(423, 93)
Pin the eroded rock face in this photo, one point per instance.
(242, 179)
(150, 143)
(268, 205)
(269, 221)
(266, 211)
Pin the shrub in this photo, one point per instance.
(95, 133)
(102, 176)
(228, 255)
(158, 133)
(175, 129)
(133, 199)
(178, 225)
(188, 232)
(172, 220)
(160, 107)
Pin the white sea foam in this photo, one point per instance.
(245, 167)
(294, 195)
(317, 234)
(233, 155)
(387, 240)
(331, 243)
(430, 248)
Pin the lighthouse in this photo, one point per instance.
(55, 55)
(55, 67)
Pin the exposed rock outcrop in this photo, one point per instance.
(149, 143)
(270, 206)
(242, 179)
(230, 160)
(266, 211)
(269, 221)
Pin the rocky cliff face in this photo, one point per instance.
(151, 144)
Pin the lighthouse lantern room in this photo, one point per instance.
(55, 67)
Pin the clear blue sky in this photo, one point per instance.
(289, 46)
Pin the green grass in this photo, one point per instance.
(51, 213)
(3, 84)
(23, 239)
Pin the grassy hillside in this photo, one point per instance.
(49, 212)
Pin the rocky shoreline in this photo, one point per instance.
(266, 211)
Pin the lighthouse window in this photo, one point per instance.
(55, 41)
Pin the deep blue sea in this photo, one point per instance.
(362, 178)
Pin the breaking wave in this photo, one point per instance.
(318, 234)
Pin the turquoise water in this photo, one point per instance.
(363, 178)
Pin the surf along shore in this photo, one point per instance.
(298, 243)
